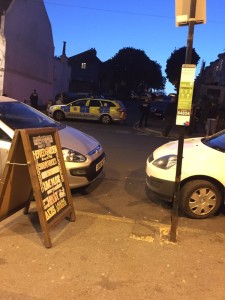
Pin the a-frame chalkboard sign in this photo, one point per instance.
(35, 167)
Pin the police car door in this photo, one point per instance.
(94, 109)
(79, 109)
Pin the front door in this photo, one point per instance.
(79, 109)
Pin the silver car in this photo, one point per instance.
(83, 155)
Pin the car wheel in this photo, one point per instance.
(200, 199)
(59, 115)
(106, 119)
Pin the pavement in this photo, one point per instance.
(104, 257)
(155, 127)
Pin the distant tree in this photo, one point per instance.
(174, 64)
(131, 69)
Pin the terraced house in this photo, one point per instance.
(213, 79)
(27, 59)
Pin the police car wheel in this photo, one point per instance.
(106, 119)
(59, 115)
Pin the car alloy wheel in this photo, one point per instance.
(106, 119)
(59, 115)
(200, 199)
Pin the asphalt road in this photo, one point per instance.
(104, 255)
(120, 190)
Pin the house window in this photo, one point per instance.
(83, 66)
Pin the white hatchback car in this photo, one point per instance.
(202, 179)
(84, 156)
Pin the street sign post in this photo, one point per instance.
(192, 8)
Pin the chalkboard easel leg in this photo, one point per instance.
(72, 217)
(47, 240)
(26, 208)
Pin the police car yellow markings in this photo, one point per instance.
(111, 108)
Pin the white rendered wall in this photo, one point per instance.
(29, 61)
(2, 55)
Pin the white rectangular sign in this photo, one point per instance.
(185, 95)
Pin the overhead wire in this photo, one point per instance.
(119, 11)
(108, 10)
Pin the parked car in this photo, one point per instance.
(84, 156)
(158, 109)
(140, 96)
(65, 98)
(202, 179)
(103, 110)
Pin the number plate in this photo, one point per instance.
(100, 164)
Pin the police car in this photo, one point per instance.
(103, 110)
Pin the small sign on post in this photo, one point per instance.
(185, 94)
(183, 13)
(36, 167)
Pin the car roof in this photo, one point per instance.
(109, 100)
(96, 99)
(7, 99)
(159, 103)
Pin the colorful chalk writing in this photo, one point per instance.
(49, 173)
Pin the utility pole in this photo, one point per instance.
(176, 195)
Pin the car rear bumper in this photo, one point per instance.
(120, 117)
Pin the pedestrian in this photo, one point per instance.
(171, 113)
(34, 99)
(195, 119)
(211, 120)
(144, 109)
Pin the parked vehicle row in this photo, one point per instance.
(202, 180)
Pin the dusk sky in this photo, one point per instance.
(148, 25)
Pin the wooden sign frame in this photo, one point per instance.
(36, 167)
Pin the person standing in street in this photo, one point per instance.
(211, 120)
(170, 116)
(34, 99)
(144, 109)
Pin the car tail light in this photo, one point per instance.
(121, 110)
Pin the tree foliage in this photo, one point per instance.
(131, 69)
(174, 64)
